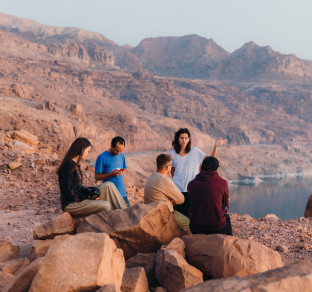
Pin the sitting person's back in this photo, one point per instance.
(209, 198)
(160, 187)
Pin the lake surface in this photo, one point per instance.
(286, 198)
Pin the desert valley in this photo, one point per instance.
(57, 84)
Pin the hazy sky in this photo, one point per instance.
(285, 25)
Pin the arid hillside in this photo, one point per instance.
(61, 83)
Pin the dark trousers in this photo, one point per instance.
(185, 207)
(226, 230)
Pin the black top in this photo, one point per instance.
(68, 180)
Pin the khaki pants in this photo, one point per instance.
(110, 193)
(109, 199)
(182, 221)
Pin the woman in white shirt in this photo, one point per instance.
(186, 160)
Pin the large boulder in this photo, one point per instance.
(5, 278)
(23, 279)
(294, 277)
(59, 225)
(14, 266)
(219, 256)
(140, 228)
(173, 271)
(109, 288)
(134, 280)
(39, 249)
(8, 251)
(146, 261)
(308, 209)
(81, 262)
(25, 137)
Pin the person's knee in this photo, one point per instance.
(105, 205)
(107, 185)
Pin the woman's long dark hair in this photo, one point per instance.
(76, 149)
(175, 143)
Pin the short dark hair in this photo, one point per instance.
(161, 160)
(175, 142)
(119, 140)
(210, 163)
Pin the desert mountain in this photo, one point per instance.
(254, 63)
(59, 83)
(72, 44)
(190, 56)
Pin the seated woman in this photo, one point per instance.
(70, 181)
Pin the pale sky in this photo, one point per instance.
(285, 25)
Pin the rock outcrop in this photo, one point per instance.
(80, 262)
(8, 251)
(173, 271)
(39, 249)
(14, 266)
(61, 224)
(294, 277)
(23, 280)
(134, 280)
(146, 261)
(219, 256)
(140, 228)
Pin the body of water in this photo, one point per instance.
(286, 198)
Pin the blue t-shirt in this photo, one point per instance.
(107, 162)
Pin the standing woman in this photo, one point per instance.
(186, 161)
(70, 181)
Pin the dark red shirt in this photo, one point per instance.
(209, 195)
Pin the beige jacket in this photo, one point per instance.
(159, 187)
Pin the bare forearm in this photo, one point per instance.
(102, 176)
(214, 151)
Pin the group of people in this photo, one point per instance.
(197, 195)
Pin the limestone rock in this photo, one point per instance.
(282, 248)
(23, 279)
(14, 165)
(173, 271)
(39, 249)
(220, 256)
(76, 109)
(5, 278)
(146, 261)
(140, 228)
(80, 262)
(269, 217)
(14, 266)
(178, 245)
(308, 209)
(61, 224)
(109, 288)
(8, 251)
(25, 137)
(294, 277)
(134, 280)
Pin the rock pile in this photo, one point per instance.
(93, 256)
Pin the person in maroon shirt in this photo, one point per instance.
(209, 200)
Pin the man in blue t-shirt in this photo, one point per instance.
(111, 164)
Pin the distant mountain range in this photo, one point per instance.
(253, 95)
(189, 56)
